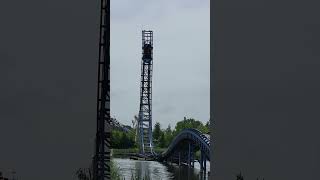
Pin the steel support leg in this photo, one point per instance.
(192, 155)
(179, 159)
(189, 155)
(204, 163)
(201, 164)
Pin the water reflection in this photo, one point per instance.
(133, 169)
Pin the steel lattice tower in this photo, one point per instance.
(145, 112)
(101, 160)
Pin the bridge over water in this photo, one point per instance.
(182, 150)
(184, 146)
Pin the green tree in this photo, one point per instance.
(203, 128)
(156, 131)
(168, 130)
(162, 141)
(132, 138)
(189, 123)
(123, 140)
(115, 138)
(168, 135)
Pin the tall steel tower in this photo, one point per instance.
(145, 112)
(101, 160)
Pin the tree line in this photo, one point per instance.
(161, 136)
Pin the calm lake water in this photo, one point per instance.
(156, 170)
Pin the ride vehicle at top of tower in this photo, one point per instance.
(147, 52)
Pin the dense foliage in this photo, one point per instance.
(161, 137)
(122, 140)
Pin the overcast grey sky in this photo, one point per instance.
(48, 75)
(181, 58)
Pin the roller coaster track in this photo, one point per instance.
(115, 124)
(197, 138)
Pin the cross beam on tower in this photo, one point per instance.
(101, 160)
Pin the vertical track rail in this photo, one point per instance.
(101, 160)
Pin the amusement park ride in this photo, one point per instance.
(145, 112)
(182, 148)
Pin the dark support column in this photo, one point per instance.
(179, 158)
(204, 163)
(192, 155)
(201, 161)
(189, 155)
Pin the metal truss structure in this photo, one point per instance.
(101, 160)
(145, 112)
(183, 147)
